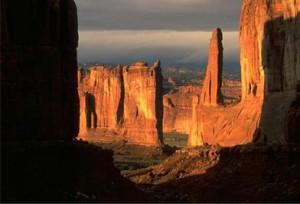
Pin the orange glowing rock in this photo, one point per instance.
(270, 67)
(211, 91)
(178, 109)
(123, 102)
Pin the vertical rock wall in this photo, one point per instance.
(100, 95)
(270, 66)
(270, 61)
(39, 98)
(126, 102)
(269, 38)
(143, 104)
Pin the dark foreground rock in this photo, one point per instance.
(249, 173)
(62, 171)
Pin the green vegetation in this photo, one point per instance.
(129, 157)
(175, 139)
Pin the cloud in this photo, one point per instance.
(175, 31)
(171, 47)
(181, 15)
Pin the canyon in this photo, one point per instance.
(241, 147)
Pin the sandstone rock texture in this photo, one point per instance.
(178, 109)
(270, 61)
(122, 103)
(270, 66)
(211, 91)
(39, 98)
(269, 38)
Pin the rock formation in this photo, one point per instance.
(126, 101)
(270, 67)
(143, 105)
(211, 91)
(178, 109)
(270, 61)
(269, 34)
(38, 70)
(40, 161)
(100, 95)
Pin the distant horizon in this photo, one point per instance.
(228, 67)
(176, 32)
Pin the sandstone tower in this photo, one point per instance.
(270, 67)
(211, 91)
(125, 101)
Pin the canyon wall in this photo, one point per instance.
(122, 103)
(270, 67)
(270, 61)
(39, 98)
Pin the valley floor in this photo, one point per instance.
(77, 171)
(246, 173)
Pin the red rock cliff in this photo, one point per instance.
(100, 95)
(270, 61)
(124, 101)
(38, 70)
(270, 67)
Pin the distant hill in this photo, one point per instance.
(181, 75)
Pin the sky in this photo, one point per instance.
(175, 31)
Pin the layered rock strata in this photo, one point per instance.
(39, 98)
(270, 67)
(123, 102)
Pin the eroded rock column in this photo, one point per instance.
(211, 92)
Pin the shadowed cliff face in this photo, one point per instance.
(39, 101)
(270, 67)
(38, 69)
(270, 59)
(281, 58)
(127, 103)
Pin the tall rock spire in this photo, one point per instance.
(211, 92)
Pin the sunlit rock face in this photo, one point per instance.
(143, 107)
(270, 61)
(269, 38)
(178, 109)
(270, 67)
(124, 101)
(211, 91)
(39, 98)
(100, 95)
